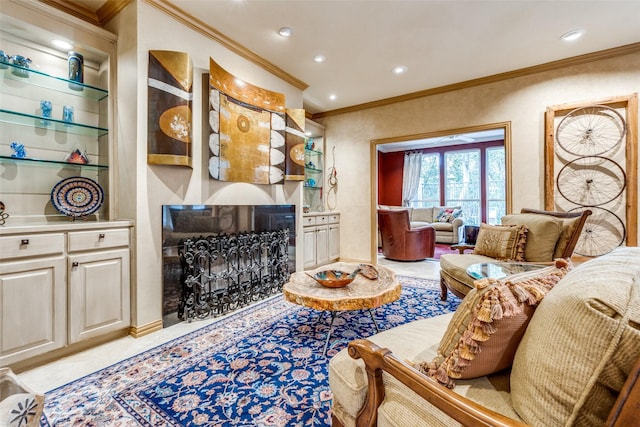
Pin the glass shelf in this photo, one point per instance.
(308, 187)
(312, 170)
(30, 120)
(28, 160)
(38, 78)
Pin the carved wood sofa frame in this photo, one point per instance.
(467, 412)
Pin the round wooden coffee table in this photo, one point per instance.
(361, 294)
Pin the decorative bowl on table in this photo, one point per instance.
(334, 278)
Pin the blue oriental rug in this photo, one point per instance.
(262, 366)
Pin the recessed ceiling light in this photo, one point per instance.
(285, 32)
(572, 35)
(319, 58)
(401, 69)
(62, 44)
(332, 97)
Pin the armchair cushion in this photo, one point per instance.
(542, 235)
(501, 242)
(584, 337)
(486, 329)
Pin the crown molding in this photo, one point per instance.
(201, 27)
(549, 66)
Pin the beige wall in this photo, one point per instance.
(143, 189)
(521, 101)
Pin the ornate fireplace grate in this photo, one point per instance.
(224, 272)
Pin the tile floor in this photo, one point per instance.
(60, 372)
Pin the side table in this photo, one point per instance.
(461, 247)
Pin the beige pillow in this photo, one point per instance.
(486, 329)
(568, 227)
(581, 344)
(542, 234)
(501, 242)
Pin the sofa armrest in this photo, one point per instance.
(461, 409)
(457, 222)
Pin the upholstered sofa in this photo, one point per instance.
(532, 236)
(573, 361)
(447, 231)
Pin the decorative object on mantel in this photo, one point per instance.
(45, 109)
(4, 60)
(77, 156)
(18, 150)
(19, 406)
(169, 114)
(76, 70)
(20, 61)
(3, 214)
(77, 196)
(253, 138)
(67, 114)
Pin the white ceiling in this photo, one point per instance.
(440, 41)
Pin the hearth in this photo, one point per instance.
(218, 258)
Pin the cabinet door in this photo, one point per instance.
(322, 245)
(32, 308)
(98, 293)
(334, 242)
(309, 240)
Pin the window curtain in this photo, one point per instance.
(411, 177)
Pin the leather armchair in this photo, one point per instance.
(400, 242)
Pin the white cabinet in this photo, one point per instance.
(32, 306)
(321, 238)
(59, 287)
(98, 283)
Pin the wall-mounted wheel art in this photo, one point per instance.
(591, 162)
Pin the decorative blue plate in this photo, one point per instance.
(77, 196)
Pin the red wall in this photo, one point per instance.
(390, 169)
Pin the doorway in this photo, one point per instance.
(450, 149)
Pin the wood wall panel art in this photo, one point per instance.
(170, 96)
(248, 131)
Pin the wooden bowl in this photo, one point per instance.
(333, 278)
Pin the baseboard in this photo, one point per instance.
(140, 331)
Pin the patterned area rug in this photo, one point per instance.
(262, 366)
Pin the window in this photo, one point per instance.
(495, 178)
(429, 189)
(462, 182)
(473, 178)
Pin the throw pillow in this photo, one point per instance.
(501, 242)
(487, 327)
(581, 345)
(542, 235)
(448, 214)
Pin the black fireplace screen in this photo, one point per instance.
(219, 258)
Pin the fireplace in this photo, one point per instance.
(217, 258)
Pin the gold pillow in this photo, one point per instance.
(501, 242)
(542, 234)
(484, 333)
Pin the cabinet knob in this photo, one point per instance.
(100, 236)
(74, 264)
(24, 241)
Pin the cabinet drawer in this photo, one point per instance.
(27, 245)
(98, 239)
(308, 220)
(334, 219)
(322, 219)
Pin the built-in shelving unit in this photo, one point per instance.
(27, 179)
(314, 168)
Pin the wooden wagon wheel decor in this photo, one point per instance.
(591, 163)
